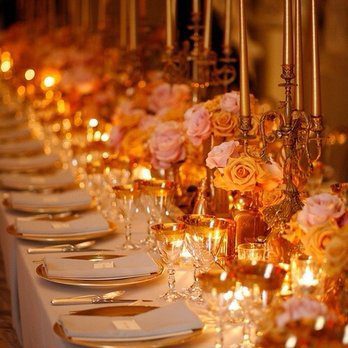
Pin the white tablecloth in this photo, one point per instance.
(34, 316)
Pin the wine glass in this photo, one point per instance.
(126, 196)
(156, 195)
(205, 236)
(170, 238)
(259, 283)
(218, 287)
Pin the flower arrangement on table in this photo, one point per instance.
(321, 228)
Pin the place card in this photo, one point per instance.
(126, 324)
(50, 199)
(37, 180)
(102, 265)
(58, 225)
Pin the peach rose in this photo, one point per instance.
(134, 143)
(242, 174)
(298, 308)
(319, 209)
(273, 177)
(197, 124)
(167, 145)
(317, 238)
(160, 98)
(116, 136)
(224, 124)
(219, 155)
(230, 102)
(336, 253)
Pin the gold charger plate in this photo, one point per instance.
(95, 283)
(76, 237)
(49, 210)
(124, 311)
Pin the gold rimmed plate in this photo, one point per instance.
(99, 283)
(52, 238)
(119, 311)
(48, 210)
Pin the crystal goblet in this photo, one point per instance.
(218, 287)
(205, 235)
(156, 196)
(170, 238)
(126, 201)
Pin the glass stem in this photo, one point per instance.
(128, 232)
(171, 279)
(195, 284)
(246, 331)
(219, 343)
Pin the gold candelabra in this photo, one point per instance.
(295, 128)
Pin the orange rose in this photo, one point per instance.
(134, 143)
(224, 123)
(336, 253)
(317, 238)
(242, 174)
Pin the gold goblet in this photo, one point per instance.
(205, 236)
(218, 287)
(126, 196)
(170, 238)
(156, 195)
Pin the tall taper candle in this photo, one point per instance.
(169, 24)
(174, 10)
(132, 25)
(195, 6)
(123, 23)
(287, 40)
(228, 21)
(244, 71)
(298, 57)
(207, 26)
(101, 15)
(316, 91)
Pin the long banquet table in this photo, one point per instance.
(34, 316)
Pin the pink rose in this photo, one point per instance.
(160, 97)
(230, 102)
(319, 209)
(148, 121)
(219, 155)
(167, 145)
(300, 308)
(116, 136)
(197, 124)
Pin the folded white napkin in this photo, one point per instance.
(88, 222)
(31, 145)
(14, 134)
(130, 266)
(28, 163)
(164, 321)
(68, 199)
(58, 179)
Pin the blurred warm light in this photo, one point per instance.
(105, 137)
(142, 173)
(5, 66)
(61, 106)
(49, 94)
(49, 81)
(29, 74)
(97, 135)
(21, 91)
(93, 122)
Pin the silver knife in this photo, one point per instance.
(87, 300)
(62, 248)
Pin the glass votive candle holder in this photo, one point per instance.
(305, 275)
(253, 252)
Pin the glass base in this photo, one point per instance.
(194, 294)
(171, 296)
(130, 246)
(149, 242)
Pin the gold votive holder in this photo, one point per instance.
(305, 275)
(253, 252)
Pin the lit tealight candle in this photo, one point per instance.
(308, 279)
